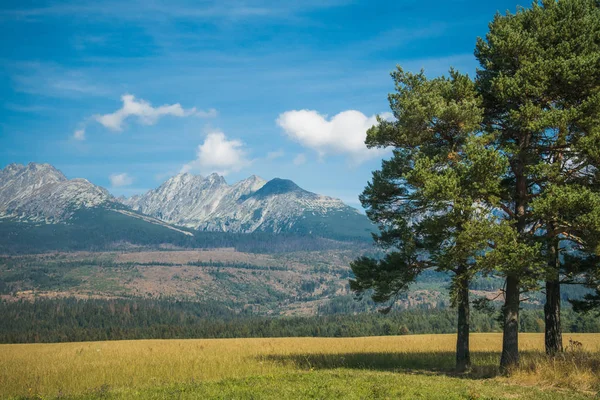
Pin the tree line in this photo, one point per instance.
(496, 174)
(74, 320)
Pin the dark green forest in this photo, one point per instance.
(69, 320)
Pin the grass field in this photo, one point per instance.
(408, 367)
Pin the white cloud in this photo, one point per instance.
(145, 113)
(272, 155)
(217, 154)
(120, 180)
(344, 133)
(300, 159)
(79, 134)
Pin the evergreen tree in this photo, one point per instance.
(429, 200)
(540, 81)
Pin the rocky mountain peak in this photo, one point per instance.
(32, 174)
(180, 178)
(253, 178)
(216, 179)
(250, 184)
(278, 186)
(42, 191)
(11, 168)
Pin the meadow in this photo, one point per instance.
(412, 366)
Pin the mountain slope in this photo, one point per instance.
(186, 198)
(251, 205)
(39, 192)
(41, 209)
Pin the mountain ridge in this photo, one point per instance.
(253, 204)
(40, 193)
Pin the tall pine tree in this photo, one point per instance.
(540, 81)
(429, 200)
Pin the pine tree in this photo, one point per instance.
(540, 81)
(429, 200)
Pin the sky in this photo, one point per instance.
(129, 93)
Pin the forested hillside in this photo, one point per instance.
(101, 229)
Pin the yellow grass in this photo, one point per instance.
(73, 368)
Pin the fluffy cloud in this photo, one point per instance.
(300, 159)
(79, 134)
(120, 180)
(217, 154)
(344, 133)
(145, 113)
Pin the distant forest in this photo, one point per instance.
(72, 320)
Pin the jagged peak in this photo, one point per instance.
(216, 178)
(34, 170)
(252, 180)
(41, 191)
(14, 167)
(180, 179)
(184, 175)
(190, 176)
(184, 178)
(33, 164)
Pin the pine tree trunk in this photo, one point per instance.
(553, 333)
(510, 339)
(463, 356)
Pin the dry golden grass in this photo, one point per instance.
(75, 368)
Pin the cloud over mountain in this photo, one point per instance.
(343, 133)
(218, 154)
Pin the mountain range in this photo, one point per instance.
(40, 192)
(39, 195)
(253, 204)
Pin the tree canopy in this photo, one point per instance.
(496, 174)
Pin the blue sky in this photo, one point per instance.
(128, 93)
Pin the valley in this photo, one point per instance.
(340, 199)
(296, 283)
(265, 247)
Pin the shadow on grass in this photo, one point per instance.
(485, 364)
